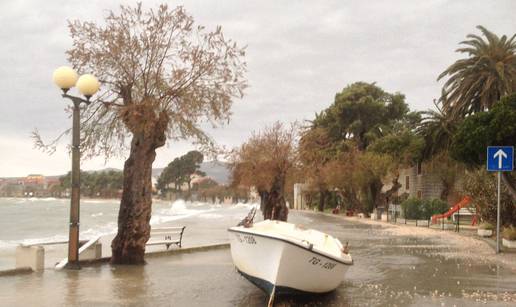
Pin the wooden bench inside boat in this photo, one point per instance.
(166, 236)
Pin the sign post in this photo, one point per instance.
(499, 159)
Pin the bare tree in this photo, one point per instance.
(162, 76)
(264, 162)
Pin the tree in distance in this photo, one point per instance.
(370, 127)
(96, 184)
(161, 75)
(180, 171)
(264, 162)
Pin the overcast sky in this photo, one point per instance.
(299, 54)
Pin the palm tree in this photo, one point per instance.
(480, 80)
(437, 129)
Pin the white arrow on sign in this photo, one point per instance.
(500, 154)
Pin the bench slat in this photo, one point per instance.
(168, 228)
(162, 242)
(165, 233)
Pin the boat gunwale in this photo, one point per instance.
(318, 252)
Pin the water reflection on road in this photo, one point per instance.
(388, 270)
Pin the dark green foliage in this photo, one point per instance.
(495, 127)
(411, 208)
(403, 146)
(423, 209)
(97, 184)
(437, 130)
(370, 126)
(180, 170)
(432, 207)
(362, 112)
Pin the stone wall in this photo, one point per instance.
(420, 184)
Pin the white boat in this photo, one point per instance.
(283, 258)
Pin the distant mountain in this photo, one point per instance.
(217, 170)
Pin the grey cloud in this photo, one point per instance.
(300, 53)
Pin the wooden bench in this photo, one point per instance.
(167, 236)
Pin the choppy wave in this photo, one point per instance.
(90, 233)
(100, 201)
(179, 210)
(40, 199)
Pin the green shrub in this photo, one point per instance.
(411, 208)
(486, 226)
(432, 207)
(509, 233)
(418, 209)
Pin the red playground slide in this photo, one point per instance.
(461, 204)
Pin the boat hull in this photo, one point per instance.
(270, 262)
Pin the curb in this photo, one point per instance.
(18, 271)
(162, 253)
(104, 260)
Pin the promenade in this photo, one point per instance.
(394, 266)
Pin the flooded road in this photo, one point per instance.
(389, 270)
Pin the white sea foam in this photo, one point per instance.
(249, 205)
(178, 210)
(100, 201)
(97, 214)
(90, 233)
(210, 216)
(37, 199)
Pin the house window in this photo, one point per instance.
(407, 182)
(419, 194)
(419, 168)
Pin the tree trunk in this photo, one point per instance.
(148, 130)
(128, 247)
(265, 206)
(393, 190)
(445, 192)
(322, 200)
(273, 204)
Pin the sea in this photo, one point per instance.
(37, 220)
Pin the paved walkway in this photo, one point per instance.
(393, 265)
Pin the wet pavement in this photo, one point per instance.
(389, 270)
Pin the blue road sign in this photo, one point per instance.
(500, 158)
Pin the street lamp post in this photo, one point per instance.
(88, 85)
